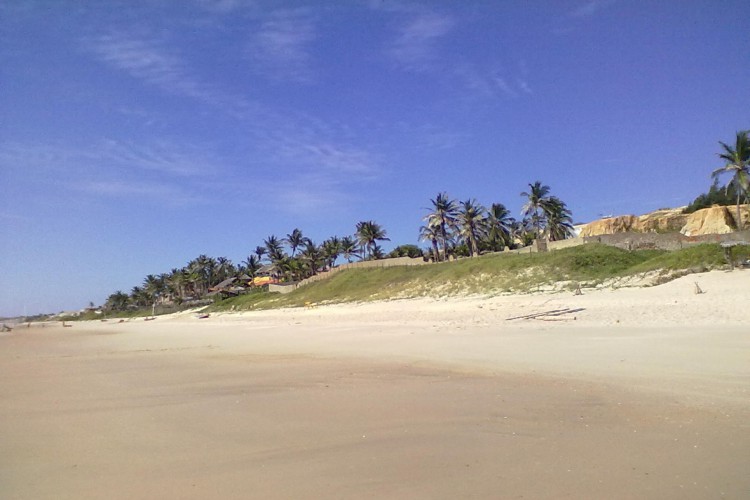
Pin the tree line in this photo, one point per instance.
(292, 258)
(451, 228)
(467, 228)
(737, 165)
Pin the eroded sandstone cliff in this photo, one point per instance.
(713, 220)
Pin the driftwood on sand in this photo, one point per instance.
(546, 314)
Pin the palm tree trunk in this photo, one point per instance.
(739, 213)
(445, 242)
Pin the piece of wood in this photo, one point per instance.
(553, 312)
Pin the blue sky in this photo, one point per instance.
(137, 135)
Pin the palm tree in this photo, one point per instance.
(738, 164)
(443, 216)
(152, 287)
(274, 248)
(287, 267)
(538, 197)
(312, 258)
(205, 266)
(140, 297)
(368, 234)
(118, 301)
(431, 234)
(471, 224)
(260, 251)
(293, 267)
(252, 264)
(225, 268)
(331, 249)
(559, 219)
(348, 248)
(295, 240)
(499, 227)
(525, 231)
(377, 252)
(176, 281)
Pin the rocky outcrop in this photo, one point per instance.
(744, 213)
(713, 220)
(611, 225)
(668, 220)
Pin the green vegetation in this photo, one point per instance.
(489, 274)
(451, 229)
(459, 229)
(696, 258)
(468, 229)
(737, 164)
(715, 196)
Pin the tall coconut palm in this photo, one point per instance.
(377, 252)
(192, 279)
(274, 248)
(312, 258)
(737, 160)
(525, 231)
(176, 281)
(559, 220)
(471, 224)
(152, 287)
(431, 234)
(252, 264)
(140, 297)
(225, 268)
(295, 240)
(537, 197)
(348, 248)
(260, 251)
(208, 268)
(443, 216)
(331, 249)
(499, 227)
(294, 268)
(288, 268)
(117, 301)
(368, 233)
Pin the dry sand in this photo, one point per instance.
(645, 394)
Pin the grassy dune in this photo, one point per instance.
(588, 265)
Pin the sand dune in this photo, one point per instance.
(635, 393)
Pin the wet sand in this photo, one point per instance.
(410, 399)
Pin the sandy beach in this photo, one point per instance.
(629, 393)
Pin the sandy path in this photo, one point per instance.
(646, 394)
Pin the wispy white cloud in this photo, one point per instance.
(584, 12)
(431, 137)
(416, 46)
(333, 159)
(159, 156)
(130, 189)
(224, 6)
(11, 217)
(523, 85)
(312, 165)
(492, 83)
(281, 47)
(310, 195)
(152, 61)
(172, 174)
(590, 8)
